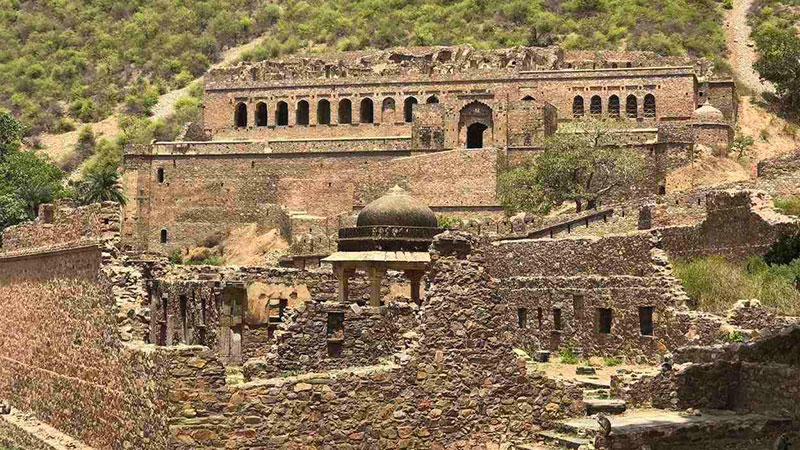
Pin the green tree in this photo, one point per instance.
(32, 179)
(579, 164)
(100, 186)
(780, 60)
(10, 132)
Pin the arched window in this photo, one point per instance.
(302, 113)
(323, 112)
(408, 108)
(595, 105)
(345, 111)
(367, 113)
(650, 106)
(631, 107)
(577, 107)
(613, 106)
(527, 98)
(261, 114)
(240, 116)
(432, 99)
(387, 109)
(163, 236)
(282, 114)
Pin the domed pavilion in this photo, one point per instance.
(393, 232)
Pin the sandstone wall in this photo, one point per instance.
(77, 262)
(59, 225)
(738, 224)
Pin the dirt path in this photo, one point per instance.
(741, 53)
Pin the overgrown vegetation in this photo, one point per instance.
(79, 59)
(611, 362)
(582, 165)
(716, 284)
(567, 355)
(775, 35)
(789, 205)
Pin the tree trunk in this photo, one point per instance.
(578, 205)
(591, 203)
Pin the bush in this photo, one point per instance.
(567, 356)
(785, 250)
(789, 205)
(727, 4)
(716, 284)
(611, 362)
(176, 257)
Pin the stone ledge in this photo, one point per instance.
(24, 430)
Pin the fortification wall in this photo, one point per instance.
(780, 176)
(76, 262)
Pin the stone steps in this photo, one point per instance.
(606, 406)
(600, 394)
(560, 439)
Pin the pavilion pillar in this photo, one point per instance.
(375, 279)
(415, 276)
(343, 275)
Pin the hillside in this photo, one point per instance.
(72, 61)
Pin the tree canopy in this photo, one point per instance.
(779, 62)
(582, 165)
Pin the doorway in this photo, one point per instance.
(475, 135)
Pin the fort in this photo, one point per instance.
(325, 135)
(405, 332)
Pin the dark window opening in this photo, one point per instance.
(335, 334)
(408, 109)
(261, 114)
(613, 106)
(184, 322)
(302, 113)
(577, 107)
(650, 106)
(282, 304)
(345, 111)
(577, 304)
(475, 135)
(646, 320)
(595, 105)
(160, 175)
(527, 98)
(604, 317)
(432, 100)
(240, 116)
(557, 319)
(323, 112)
(522, 317)
(662, 190)
(163, 236)
(631, 107)
(334, 349)
(282, 114)
(539, 317)
(367, 113)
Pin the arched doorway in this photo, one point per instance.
(475, 125)
(475, 135)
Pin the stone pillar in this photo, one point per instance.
(344, 282)
(375, 278)
(415, 276)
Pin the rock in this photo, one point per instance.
(585, 370)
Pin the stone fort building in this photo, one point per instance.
(326, 134)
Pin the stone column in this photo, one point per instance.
(344, 282)
(375, 278)
(415, 276)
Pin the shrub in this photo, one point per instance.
(611, 362)
(735, 336)
(785, 250)
(567, 356)
(176, 257)
(727, 4)
(448, 221)
(789, 205)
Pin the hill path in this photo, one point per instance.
(741, 52)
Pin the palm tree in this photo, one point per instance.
(100, 186)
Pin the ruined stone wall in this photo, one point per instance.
(77, 262)
(309, 340)
(673, 89)
(738, 224)
(62, 225)
(780, 176)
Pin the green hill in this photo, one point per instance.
(80, 59)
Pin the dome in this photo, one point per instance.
(708, 113)
(397, 208)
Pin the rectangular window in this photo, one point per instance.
(557, 319)
(184, 322)
(604, 318)
(539, 317)
(577, 305)
(160, 175)
(335, 334)
(282, 304)
(522, 317)
(646, 320)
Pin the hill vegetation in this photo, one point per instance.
(76, 60)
